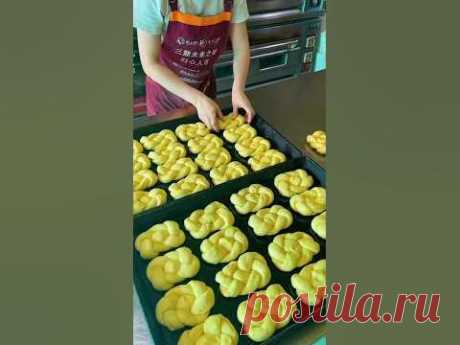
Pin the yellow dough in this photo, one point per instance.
(185, 305)
(231, 120)
(216, 330)
(175, 170)
(174, 267)
(213, 158)
(213, 217)
(224, 246)
(309, 279)
(266, 159)
(208, 142)
(158, 141)
(144, 179)
(252, 146)
(159, 238)
(264, 329)
(170, 153)
(317, 141)
(310, 202)
(137, 147)
(318, 224)
(292, 250)
(239, 133)
(270, 221)
(252, 198)
(248, 274)
(146, 200)
(227, 172)
(191, 130)
(293, 182)
(140, 162)
(193, 183)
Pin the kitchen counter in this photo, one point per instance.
(296, 107)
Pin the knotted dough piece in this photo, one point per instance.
(144, 179)
(213, 158)
(310, 202)
(266, 159)
(191, 130)
(293, 182)
(170, 153)
(227, 172)
(270, 221)
(215, 330)
(235, 134)
(249, 273)
(145, 200)
(309, 279)
(137, 147)
(224, 246)
(213, 217)
(292, 250)
(175, 170)
(159, 238)
(264, 329)
(252, 198)
(167, 270)
(141, 162)
(208, 142)
(252, 146)
(318, 224)
(317, 141)
(158, 141)
(193, 183)
(185, 305)
(230, 121)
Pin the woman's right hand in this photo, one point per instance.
(208, 111)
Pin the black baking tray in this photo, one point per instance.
(263, 128)
(183, 208)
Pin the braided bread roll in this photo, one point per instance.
(317, 141)
(159, 238)
(215, 330)
(270, 221)
(224, 246)
(144, 179)
(252, 198)
(310, 202)
(266, 159)
(206, 143)
(213, 217)
(191, 130)
(264, 329)
(252, 146)
(158, 141)
(185, 305)
(169, 154)
(292, 250)
(318, 224)
(213, 158)
(140, 162)
(249, 273)
(175, 170)
(145, 200)
(172, 268)
(293, 182)
(231, 120)
(235, 134)
(191, 184)
(227, 172)
(309, 279)
(137, 147)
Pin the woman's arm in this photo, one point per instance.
(149, 51)
(241, 59)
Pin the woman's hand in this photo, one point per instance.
(208, 111)
(240, 100)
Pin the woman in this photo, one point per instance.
(179, 43)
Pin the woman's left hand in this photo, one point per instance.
(240, 100)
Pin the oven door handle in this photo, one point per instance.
(262, 17)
